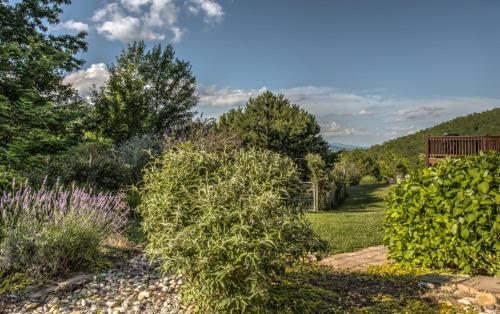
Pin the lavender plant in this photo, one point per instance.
(58, 229)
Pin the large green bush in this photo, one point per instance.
(447, 216)
(227, 221)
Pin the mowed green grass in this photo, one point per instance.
(357, 223)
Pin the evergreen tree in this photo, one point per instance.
(271, 121)
(38, 113)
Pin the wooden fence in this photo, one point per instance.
(440, 147)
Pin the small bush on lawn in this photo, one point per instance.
(367, 180)
(225, 220)
(447, 216)
(55, 230)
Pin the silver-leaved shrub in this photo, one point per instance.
(227, 221)
(448, 216)
(53, 231)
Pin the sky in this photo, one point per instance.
(369, 70)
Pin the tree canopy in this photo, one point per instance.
(147, 92)
(39, 114)
(270, 121)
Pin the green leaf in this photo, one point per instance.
(464, 233)
(483, 187)
(457, 211)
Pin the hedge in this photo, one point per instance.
(447, 216)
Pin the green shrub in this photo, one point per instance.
(447, 216)
(367, 180)
(94, 164)
(227, 221)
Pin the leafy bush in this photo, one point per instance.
(227, 221)
(93, 163)
(55, 231)
(367, 180)
(447, 216)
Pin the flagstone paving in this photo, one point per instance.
(481, 293)
(359, 260)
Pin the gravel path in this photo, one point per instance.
(134, 287)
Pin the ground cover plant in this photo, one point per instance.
(315, 289)
(227, 221)
(356, 224)
(53, 231)
(447, 216)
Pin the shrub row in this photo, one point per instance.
(447, 216)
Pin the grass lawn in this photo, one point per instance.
(357, 223)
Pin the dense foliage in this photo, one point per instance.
(147, 92)
(54, 231)
(447, 216)
(39, 115)
(227, 221)
(104, 165)
(270, 121)
(410, 147)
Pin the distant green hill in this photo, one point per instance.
(410, 146)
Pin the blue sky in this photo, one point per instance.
(369, 70)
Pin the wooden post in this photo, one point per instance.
(427, 150)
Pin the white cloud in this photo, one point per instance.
(128, 20)
(83, 80)
(73, 26)
(210, 9)
(356, 118)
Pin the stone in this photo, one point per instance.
(464, 301)
(31, 305)
(463, 288)
(484, 283)
(74, 282)
(486, 298)
(112, 303)
(143, 295)
(446, 288)
(426, 285)
(42, 293)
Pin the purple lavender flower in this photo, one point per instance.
(105, 211)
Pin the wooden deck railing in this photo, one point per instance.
(439, 147)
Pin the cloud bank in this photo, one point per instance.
(129, 20)
(360, 118)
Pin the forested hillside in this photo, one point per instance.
(410, 146)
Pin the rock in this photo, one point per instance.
(485, 299)
(427, 285)
(74, 282)
(447, 288)
(463, 288)
(143, 295)
(30, 306)
(112, 303)
(464, 301)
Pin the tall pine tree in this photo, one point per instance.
(39, 114)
